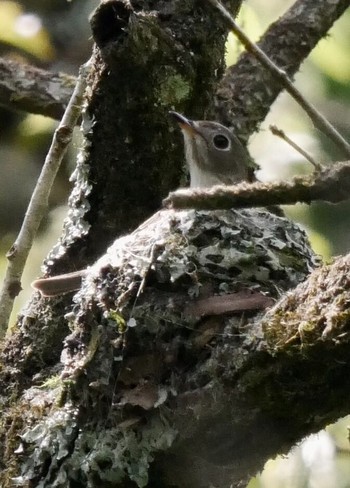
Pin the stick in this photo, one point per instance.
(19, 251)
(332, 184)
(317, 118)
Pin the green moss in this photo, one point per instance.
(174, 89)
(51, 383)
(118, 319)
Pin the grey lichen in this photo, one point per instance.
(110, 456)
(187, 250)
(118, 452)
(75, 224)
(135, 348)
(50, 443)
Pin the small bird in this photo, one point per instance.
(214, 156)
(213, 153)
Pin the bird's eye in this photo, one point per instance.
(221, 142)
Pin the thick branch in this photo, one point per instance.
(143, 376)
(33, 90)
(146, 61)
(315, 313)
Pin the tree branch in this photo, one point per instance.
(281, 134)
(246, 93)
(24, 87)
(318, 119)
(176, 391)
(17, 255)
(331, 185)
(146, 391)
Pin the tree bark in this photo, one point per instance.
(30, 89)
(163, 383)
(153, 387)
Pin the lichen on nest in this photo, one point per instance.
(142, 351)
(189, 250)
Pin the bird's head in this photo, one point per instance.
(213, 153)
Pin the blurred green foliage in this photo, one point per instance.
(24, 32)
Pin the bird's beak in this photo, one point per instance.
(184, 123)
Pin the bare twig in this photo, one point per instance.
(24, 87)
(317, 118)
(19, 251)
(332, 184)
(280, 133)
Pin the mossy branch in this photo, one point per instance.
(332, 185)
(30, 89)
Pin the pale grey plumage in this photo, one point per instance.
(213, 153)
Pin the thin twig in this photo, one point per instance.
(19, 251)
(317, 118)
(332, 184)
(280, 133)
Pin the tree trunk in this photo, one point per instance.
(172, 373)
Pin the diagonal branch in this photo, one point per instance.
(318, 119)
(18, 253)
(246, 93)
